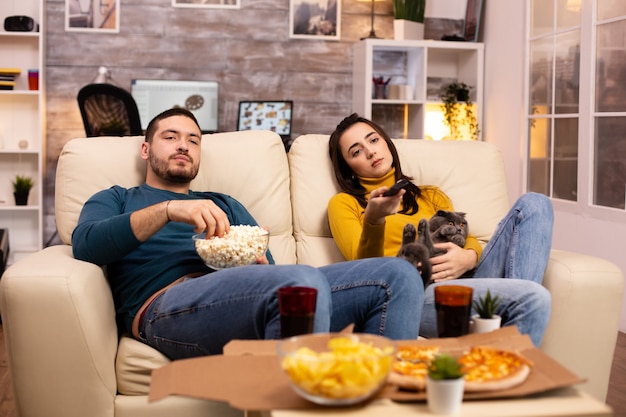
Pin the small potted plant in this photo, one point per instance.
(445, 384)
(485, 319)
(458, 110)
(21, 188)
(408, 19)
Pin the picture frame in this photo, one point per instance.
(473, 14)
(315, 19)
(92, 16)
(214, 4)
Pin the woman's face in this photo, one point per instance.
(365, 151)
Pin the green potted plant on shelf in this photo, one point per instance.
(21, 188)
(408, 19)
(445, 384)
(459, 111)
(485, 319)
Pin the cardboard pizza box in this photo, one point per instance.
(248, 375)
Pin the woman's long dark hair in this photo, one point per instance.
(347, 180)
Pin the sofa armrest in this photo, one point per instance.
(584, 323)
(66, 306)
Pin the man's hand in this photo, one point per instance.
(205, 215)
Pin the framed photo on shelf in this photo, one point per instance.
(315, 19)
(216, 4)
(473, 13)
(92, 15)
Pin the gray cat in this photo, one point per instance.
(417, 245)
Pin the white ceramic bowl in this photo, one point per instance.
(336, 369)
(242, 245)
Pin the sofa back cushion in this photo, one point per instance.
(251, 166)
(470, 173)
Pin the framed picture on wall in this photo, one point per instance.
(217, 4)
(315, 19)
(472, 20)
(92, 15)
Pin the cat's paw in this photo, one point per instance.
(408, 234)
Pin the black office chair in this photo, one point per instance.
(108, 110)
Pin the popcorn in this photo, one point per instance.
(242, 245)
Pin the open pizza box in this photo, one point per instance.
(248, 375)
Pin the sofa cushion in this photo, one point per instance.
(88, 165)
(134, 364)
(473, 178)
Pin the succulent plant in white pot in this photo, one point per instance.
(485, 319)
(444, 384)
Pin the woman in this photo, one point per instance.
(364, 223)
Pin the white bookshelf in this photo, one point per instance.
(424, 66)
(22, 125)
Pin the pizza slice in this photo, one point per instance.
(486, 368)
(491, 369)
(410, 366)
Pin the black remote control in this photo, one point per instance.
(400, 184)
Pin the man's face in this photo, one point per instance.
(174, 154)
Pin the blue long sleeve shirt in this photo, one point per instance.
(135, 269)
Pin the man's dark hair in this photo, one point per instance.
(175, 111)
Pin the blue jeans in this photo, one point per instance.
(519, 251)
(520, 246)
(524, 304)
(200, 315)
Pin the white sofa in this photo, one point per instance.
(63, 350)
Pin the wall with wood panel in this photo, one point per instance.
(248, 50)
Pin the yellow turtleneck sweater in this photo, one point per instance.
(357, 239)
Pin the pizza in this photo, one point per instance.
(486, 368)
(410, 366)
(491, 369)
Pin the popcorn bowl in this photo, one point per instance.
(336, 369)
(242, 245)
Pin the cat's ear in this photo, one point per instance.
(460, 213)
(441, 213)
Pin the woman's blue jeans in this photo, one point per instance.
(519, 251)
(200, 315)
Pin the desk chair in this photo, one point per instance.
(108, 110)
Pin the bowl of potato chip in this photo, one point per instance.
(336, 369)
(242, 245)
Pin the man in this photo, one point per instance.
(167, 298)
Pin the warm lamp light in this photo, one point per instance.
(372, 31)
(434, 125)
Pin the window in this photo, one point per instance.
(577, 93)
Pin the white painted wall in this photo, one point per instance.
(504, 32)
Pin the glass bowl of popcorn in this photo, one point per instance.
(336, 369)
(242, 245)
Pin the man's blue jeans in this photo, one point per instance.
(200, 315)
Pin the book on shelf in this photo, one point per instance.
(7, 85)
(10, 71)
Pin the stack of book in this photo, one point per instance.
(7, 78)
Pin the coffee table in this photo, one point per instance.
(565, 402)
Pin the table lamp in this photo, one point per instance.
(372, 34)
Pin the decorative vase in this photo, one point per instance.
(21, 199)
(407, 30)
(480, 325)
(444, 396)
